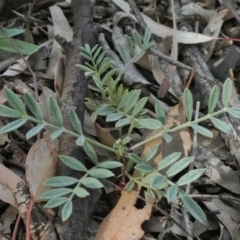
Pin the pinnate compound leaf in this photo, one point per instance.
(56, 133)
(55, 111)
(34, 131)
(169, 160)
(193, 207)
(139, 106)
(75, 121)
(80, 140)
(13, 125)
(55, 202)
(14, 101)
(160, 112)
(110, 164)
(203, 131)
(157, 181)
(150, 123)
(9, 112)
(134, 157)
(33, 106)
(81, 192)
(142, 167)
(190, 176)
(100, 173)
(234, 112)
(188, 104)
(172, 193)
(227, 92)
(89, 150)
(179, 166)
(67, 210)
(57, 192)
(220, 125)
(151, 154)
(213, 99)
(91, 182)
(60, 181)
(73, 163)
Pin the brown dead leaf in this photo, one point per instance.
(125, 220)
(42, 160)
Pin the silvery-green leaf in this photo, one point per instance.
(234, 112)
(130, 45)
(137, 39)
(84, 68)
(91, 182)
(91, 104)
(188, 104)
(150, 123)
(33, 106)
(60, 181)
(123, 122)
(190, 176)
(66, 210)
(147, 36)
(172, 193)
(203, 131)
(57, 192)
(89, 150)
(147, 46)
(151, 154)
(110, 74)
(87, 48)
(13, 125)
(55, 202)
(139, 106)
(114, 117)
(213, 99)
(110, 164)
(134, 157)
(167, 137)
(34, 131)
(96, 53)
(104, 68)
(142, 167)
(193, 207)
(122, 52)
(100, 58)
(55, 111)
(93, 49)
(124, 99)
(227, 92)
(219, 124)
(80, 140)
(93, 117)
(129, 186)
(81, 192)
(132, 100)
(126, 140)
(169, 160)
(100, 173)
(179, 166)
(106, 111)
(157, 181)
(9, 112)
(56, 133)
(160, 112)
(14, 101)
(86, 56)
(73, 163)
(75, 121)
(151, 194)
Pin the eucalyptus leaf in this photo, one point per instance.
(75, 121)
(91, 182)
(73, 163)
(150, 123)
(89, 150)
(219, 124)
(179, 166)
(55, 202)
(169, 160)
(66, 210)
(13, 125)
(60, 181)
(227, 92)
(203, 131)
(213, 99)
(172, 193)
(193, 207)
(33, 106)
(190, 176)
(57, 192)
(100, 173)
(188, 104)
(14, 101)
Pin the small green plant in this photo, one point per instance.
(126, 110)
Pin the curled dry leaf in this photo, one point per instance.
(42, 160)
(125, 220)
